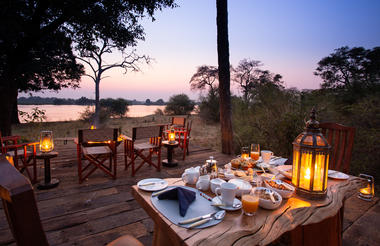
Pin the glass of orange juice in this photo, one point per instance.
(250, 203)
(255, 151)
(244, 152)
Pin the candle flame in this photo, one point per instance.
(307, 174)
(93, 127)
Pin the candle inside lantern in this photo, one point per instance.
(92, 127)
(367, 193)
(46, 141)
(171, 136)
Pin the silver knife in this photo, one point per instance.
(206, 216)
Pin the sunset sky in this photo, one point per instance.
(289, 37)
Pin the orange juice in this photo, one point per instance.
(250, 204)
(244, 155)
(255, 155)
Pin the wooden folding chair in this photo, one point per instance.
(94, 148)
(341, 138)
(23, 155)
(143, 139)
(183, 138)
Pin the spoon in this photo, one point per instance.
(270, 193)
(218, 216)
(235, 205)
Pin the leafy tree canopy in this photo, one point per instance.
(350, 69)
(179, 104)
(37, 36)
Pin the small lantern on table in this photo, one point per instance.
(311, 154)
(46, 141)
(368, 192)
(171, 136)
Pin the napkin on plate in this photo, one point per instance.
(185, 198)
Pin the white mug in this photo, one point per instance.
(266, 155)
(191, 175)
(227, 192)
(215, 183)
(203, 182)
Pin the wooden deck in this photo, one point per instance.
(101, 209)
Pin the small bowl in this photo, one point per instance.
(284, 193)
(244, 187)
(229, 175)
(268, 204)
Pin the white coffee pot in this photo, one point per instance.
(191, 175)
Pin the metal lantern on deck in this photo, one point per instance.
(46, 141)
(171, 135)
(311, 154)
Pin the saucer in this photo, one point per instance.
(216, 200)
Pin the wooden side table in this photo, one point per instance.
(170, 162)
(49, 182)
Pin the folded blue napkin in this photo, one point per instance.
(185, 198)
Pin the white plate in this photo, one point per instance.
(216, 200)
(159, 184)
(244, 187)
(337, 175)
(285, 170)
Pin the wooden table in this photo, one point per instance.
(308, 222)
(48, 182)
(170, 162)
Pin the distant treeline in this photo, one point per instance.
(81, 101)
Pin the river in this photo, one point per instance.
(73, 112)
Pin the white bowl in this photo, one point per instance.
(268, 204)
(229, 175)
(284, 193)
(244, 187)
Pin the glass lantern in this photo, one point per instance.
(311, 155)
(368, 192)
(171, 136)
(46, 141)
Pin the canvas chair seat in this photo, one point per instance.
(145, 142)
(97, 150)
(20, 152)
(144, 146)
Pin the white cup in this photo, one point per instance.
(227, 193)
(215, 183)
(203, 182)
(191, 175)
(266, 155)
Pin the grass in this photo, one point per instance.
(202, 134)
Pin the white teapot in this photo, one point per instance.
(191, 175)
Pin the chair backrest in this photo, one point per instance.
(147, 132)
(97, 136)
(6, 140)
(188, 127)
(20, 206)
(179, 121)
(341, 138)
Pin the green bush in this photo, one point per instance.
(179, 105)
(116, 107)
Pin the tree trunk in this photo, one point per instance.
(8, 99)
(15, 119)
(224, 76)
(97, 104)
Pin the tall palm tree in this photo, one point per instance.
(224, 76)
